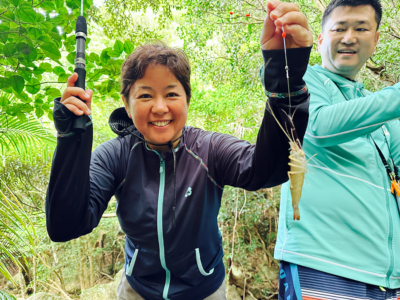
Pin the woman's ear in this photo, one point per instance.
(126, 106)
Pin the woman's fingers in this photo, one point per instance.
(267, 32)
(89, 101)
(292, 17)
(283, 8)
(77, 106)
(288, 16)
(299, 36)
(75, 91)
(72, 79)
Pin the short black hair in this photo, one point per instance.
(376, 5)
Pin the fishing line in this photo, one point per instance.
(286, 68)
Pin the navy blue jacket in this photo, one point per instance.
(165, 261)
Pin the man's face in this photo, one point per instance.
(348, 39)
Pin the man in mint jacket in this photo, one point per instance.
(347, 242)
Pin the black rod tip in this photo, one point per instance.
(81, 25)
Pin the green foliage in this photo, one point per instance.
(28, 138)
(17, 234)
(6, 296)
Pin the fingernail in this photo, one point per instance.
(87, 95)
(89, 111)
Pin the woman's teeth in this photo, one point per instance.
(161, 123)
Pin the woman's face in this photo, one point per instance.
(158, 107)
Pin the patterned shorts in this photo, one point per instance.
(301, 283)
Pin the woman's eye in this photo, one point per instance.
(171, 95)
(145, 96)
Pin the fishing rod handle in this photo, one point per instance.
(79, 124)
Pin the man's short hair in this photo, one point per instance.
(376, 5)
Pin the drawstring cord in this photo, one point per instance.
(170, 146)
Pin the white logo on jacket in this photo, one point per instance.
(188, 192)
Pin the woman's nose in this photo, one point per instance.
(160, 106)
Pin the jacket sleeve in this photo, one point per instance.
(335, 123)
(76, 197)
(394, 130)
(265, 164)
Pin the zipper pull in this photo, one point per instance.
(161, 168)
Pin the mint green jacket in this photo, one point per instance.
(349, 221)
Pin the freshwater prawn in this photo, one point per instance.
(297, 157)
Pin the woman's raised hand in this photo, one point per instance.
(294, 22)
(70, 100)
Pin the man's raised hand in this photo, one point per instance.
(70, 100)
(294, 22)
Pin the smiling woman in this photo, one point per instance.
(168, 178)
(155, 99)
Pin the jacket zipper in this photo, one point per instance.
(160, 205)
(160, 227)
(390, 237)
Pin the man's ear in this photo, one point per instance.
(320, 39)
(376, 38)
(126, 106)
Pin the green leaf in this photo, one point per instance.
(59, 3)
(51, 51)
(50, 116)
(118, 47)
(34, 33)
(32, 55)
(16, 2)
(58, 70)
(53, 92)
(4, 83)
(93, 57)
(4, 27)
(46, 66)
(10, 49)
(38, 70)
(4, 101)
(27, 14)
(17, 83)
(73, 4)
(63, 78)
(26, 108)
(23, 48)
(67, 29)
(104, 56)
(48, 5)
(26, 73)
(3, 37)
(71, 57)
(128, 47)
(45, 38)
(33, 87)
(39, 112)
(22, 117)
(9, 15)
(23, 96)
(113, 53)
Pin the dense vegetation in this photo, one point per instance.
(37, 49)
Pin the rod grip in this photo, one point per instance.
(79, 123)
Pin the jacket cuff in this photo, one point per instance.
(273, 73)
(63, 118)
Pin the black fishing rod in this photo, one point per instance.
(79, 125)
